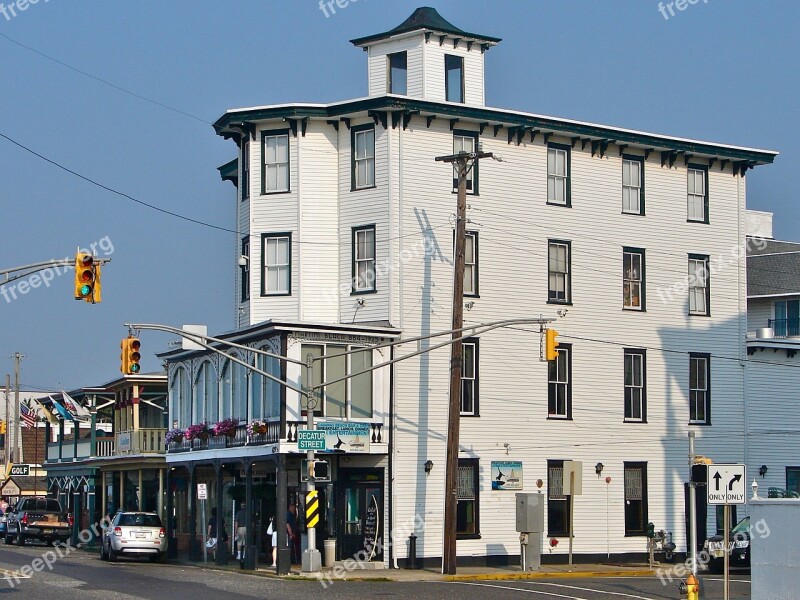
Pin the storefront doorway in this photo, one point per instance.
(359, 523)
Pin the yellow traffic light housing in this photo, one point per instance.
(97, 286)
(130, 356)
(551, 344)
(84, 276)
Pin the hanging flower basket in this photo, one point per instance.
(256, 427)
(226, 427)
(197, 432)
(173, 435)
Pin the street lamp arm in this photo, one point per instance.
(196, 339)
(474, 330)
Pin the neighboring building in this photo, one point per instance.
(118, 464)
(347, 225)
(11, 446)
(772, 410)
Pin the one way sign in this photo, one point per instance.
(726, 484)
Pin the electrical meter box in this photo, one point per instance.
(530, 513)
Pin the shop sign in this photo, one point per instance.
(344, 437)
(507, 475)
(10, 489)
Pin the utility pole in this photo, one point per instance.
(692, 509)
(463, 163)
(17, 433)
(7, 449)
(311, 562)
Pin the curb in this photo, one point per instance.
(545, 575)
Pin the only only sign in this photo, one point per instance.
(726, 484)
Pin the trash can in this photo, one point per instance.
(330, 551)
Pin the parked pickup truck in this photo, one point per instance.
(37, 519)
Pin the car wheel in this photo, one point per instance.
(7, 539)
(19, 539)
(112, 554)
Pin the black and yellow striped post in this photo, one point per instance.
(312, 509)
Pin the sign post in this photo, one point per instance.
(726, 486)
(572, 484)
(202, 495)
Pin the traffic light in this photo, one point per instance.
(551, 344)
(2, 427)
(97, 285)
(84, 276)
(130, 356)
(651, 530)
(319, 470)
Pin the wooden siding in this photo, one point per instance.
(473, 71)
(378, 70)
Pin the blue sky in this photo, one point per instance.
(720, 70)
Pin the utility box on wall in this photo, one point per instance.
(530, 513)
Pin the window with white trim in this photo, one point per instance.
(351, 396)
(471, 264)
(633, 185)
(635, 385)
(633, 278)
(454, 78)
(469, 377)
(364, 259)
(466, 141)
(559, 384)
(397, 67)
(699, 388)
(697, 194)
(276, 261)
(559, 280)
(363, 157)
(699, 291)
(275, 175)
(558, 165)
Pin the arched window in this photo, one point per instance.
(239, 391)
(226, 398)
(272, 389)
(206, 405)
(181, 398)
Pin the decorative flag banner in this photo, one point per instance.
(63, 412)
(28, 416)
(47, 414)
(74, 408)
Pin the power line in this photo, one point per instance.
(114, 191)
(103, 81)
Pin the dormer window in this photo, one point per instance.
(454, 78)
(397, 80)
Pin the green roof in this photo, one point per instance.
(424, 18)
(509, 119)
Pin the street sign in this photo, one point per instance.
(202, 491)
(311, 439)
(572, 484)
(726, 484)
(20, 470)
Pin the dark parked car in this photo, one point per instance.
(739, 544)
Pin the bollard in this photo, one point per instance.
(411, 561)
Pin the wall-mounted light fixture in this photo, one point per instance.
(243, 260)
(598, 468)
(754, 487)
(763, 471)
(469, 305)
(428, 466)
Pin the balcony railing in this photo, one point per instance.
(784, 328)
(105, 447)
(140, 441)
(241, 438)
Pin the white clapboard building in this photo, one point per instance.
(628, 238)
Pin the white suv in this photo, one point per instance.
(134, 533)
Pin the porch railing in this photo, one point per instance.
(140, 441)
(785, 327)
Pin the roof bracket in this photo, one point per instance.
(428, 36)
(686, 158)
(303, 125)
(533, 134)
(711, 162)
(455, 42)
(604, 144)
(334, 124)
(430, 119)
(453, 123)
(378, 117)
(584, 142)
(407, 117)
(482, 127)
(622, 148)
(723, 163)
(511, 132)
(346, 122)
(396, 115)
(293, 126)
(469, 45)
(442, 38)
(497, 129)
(647, 153)
(595, 147)
(575, 140)
(547, 136)
(520, 135)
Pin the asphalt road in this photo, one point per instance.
(82, 575)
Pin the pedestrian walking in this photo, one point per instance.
(241, 531)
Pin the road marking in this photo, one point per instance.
(732, 580)
(574, 587)
(5, 573)
(505, 587)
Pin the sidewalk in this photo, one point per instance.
(340, 572)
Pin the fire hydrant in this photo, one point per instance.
(692, 588)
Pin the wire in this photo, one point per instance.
(105, 82)
(117, 192)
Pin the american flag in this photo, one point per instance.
(28, 416)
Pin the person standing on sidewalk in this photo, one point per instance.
(241, 531)
(294, 533)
